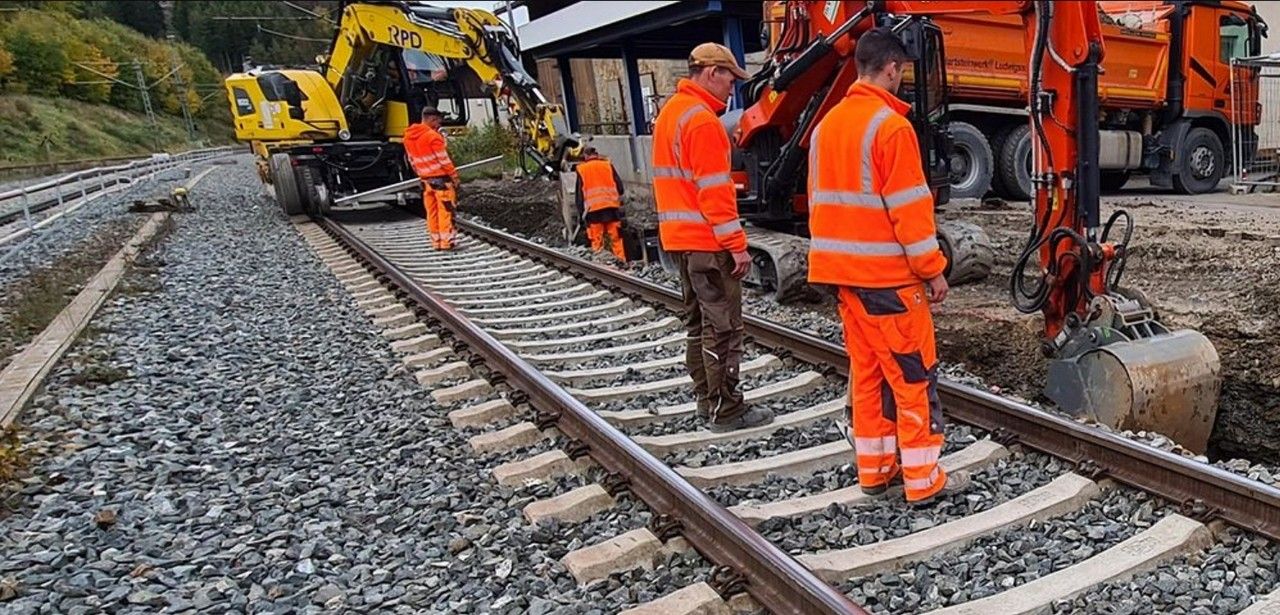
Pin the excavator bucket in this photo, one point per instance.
(1166, 383)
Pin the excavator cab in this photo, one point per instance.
(928, 99)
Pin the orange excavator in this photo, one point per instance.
(1111, 359)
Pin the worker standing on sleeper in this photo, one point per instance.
(429, 156)
(599, 195)
(873, 236)
(698, 226)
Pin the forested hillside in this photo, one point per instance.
(78, 54)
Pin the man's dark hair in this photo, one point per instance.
(431, 112)
(589, 151)
(876, 49)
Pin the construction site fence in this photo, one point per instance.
(1255, 87)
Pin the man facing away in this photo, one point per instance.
(698, 226)
(599, 195)
(429, 156)
(873, 236)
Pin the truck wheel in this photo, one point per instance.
(968, 251)
(1015, 164)
(286, 185)
(971, 162)
(997, 144)
(315, 195)
(1113, 181)
(1201, 163)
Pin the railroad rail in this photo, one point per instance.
(1207, 491)
(498, 269)
(773, 578)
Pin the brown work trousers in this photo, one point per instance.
(713, 327)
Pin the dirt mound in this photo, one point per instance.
(529, 208)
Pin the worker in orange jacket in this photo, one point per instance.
(698, 226)
(873, 236)
(599, 196)
(429, 156)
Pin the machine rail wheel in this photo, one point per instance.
(315, 194)
(968, 251)
(286, 185)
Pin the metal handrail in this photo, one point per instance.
(114, 174)
(200, 154)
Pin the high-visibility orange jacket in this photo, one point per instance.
(697, 202)
(870, 210)
(599, 189)
(427, 152)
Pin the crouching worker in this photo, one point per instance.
(429, 156)
(599, 197)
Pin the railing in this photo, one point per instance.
(19, 204)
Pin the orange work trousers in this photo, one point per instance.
(599, 232)
(439, 203)
(893, 387)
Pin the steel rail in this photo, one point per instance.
(774, 579)
(1204, 491)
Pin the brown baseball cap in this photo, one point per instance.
(714, 54)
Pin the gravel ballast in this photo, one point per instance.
(1225, 578)
(1010, 558)
(237, 437)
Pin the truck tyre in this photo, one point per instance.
(968, 251)
(286, 185)
(1015, 164)
(971, 162)
(1202, 162)
(1113, 181)
(997, 144)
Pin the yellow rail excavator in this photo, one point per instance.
(322, 135)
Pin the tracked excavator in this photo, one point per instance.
(806, 72)
(334, 132)
(1111, 358)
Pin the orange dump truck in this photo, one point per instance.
(1165, 95)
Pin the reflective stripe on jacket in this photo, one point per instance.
(870, 209)
(426, 149)
(697, 202)
(599, 191)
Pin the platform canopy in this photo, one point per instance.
(631, 31)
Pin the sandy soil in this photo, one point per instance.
(1208, 262)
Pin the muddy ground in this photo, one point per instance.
(1208, 262)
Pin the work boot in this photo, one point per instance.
(880, 489)
(753, 417)
(957, 482)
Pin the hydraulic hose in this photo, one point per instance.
(1031, 300)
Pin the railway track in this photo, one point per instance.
(590, 361)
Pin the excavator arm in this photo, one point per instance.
(472, 38)
(1111, 359)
